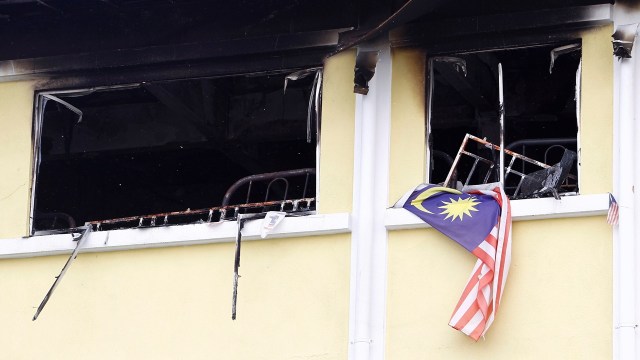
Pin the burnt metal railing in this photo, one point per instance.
(550, 143)
(225, 211)
(274, 177)
(547, 179)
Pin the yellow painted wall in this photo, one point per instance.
(337, 134)
(558, 300)
(175, 303)
(407, 156)
(596, 127)
(16, 107)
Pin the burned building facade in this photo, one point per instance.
(149, 138)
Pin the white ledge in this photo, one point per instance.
(177, 235)
(527, 209)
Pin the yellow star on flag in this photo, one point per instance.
(458, 208)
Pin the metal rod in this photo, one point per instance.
(515, 193)
(473, 168)
(457, 158)
(236, 266)
(286, 188)
(510, 167)
(508, 152)
(486, 177)
(501, 109)
(84, 231)
(249, 191)
(477, 157)
(242, 218)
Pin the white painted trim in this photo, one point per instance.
(626, 252)
(529, 209)
(367, 303)
(380, 157)
(616, 233)
(176, 235)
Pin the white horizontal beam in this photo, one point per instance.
(176, 235)
(527, 209)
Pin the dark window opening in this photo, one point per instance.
(168, 146)
(540, 112)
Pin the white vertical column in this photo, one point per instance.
(369, 235)
(635, 151)
(626, 175)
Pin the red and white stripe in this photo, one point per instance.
(613, 213)
(481, 297)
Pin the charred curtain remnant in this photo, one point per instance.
(162, 147)
(539, 110)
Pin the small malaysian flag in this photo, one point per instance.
(612, 215)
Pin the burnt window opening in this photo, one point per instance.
(540, 112)
(169, 146)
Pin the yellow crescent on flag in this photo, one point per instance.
(417, 202)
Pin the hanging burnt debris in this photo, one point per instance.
(365, 69)
(80, 236)
(623, 39)
(314, 96)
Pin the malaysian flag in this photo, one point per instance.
(612, 214)
(479, 219)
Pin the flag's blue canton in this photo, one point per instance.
(470, 230)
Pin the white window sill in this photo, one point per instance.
(528, 209)
(320, 224)
(177, 235)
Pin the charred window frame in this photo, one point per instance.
(537, 114)
(171, 146)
